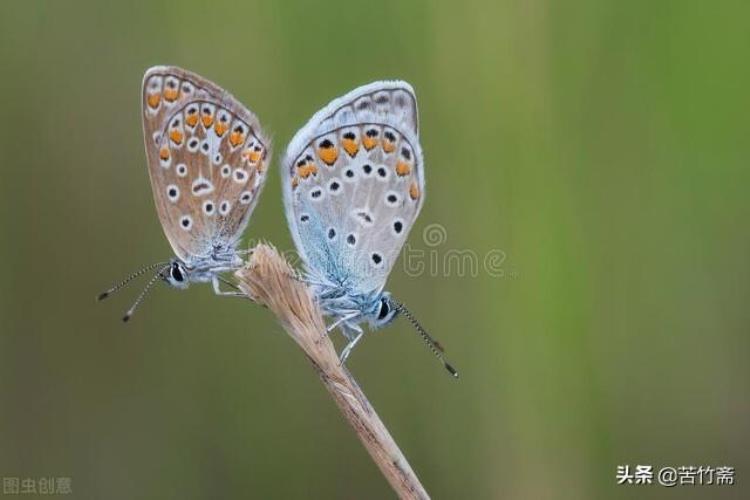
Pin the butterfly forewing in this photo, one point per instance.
(354, 184)
(207, 160)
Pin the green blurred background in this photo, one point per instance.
(600, 145)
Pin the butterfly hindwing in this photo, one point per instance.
(207, 159)
(354, 184)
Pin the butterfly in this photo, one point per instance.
(353, 184)
(207, 159)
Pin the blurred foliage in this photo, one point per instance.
(600, 145)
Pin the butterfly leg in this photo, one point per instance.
(221, 293)
(343, 319)
(348, 349)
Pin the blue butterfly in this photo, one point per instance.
(353, 182)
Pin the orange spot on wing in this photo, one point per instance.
(369, 142)
(328, 155)
(207, 120)
(260, 167)
(252, 156)
(164, 153)
(414, 191)
(236, 138)
(306, 171)
(350, 146)
(176, 136)
(153, 100)
(295, 182)
(171, 94)
(192, 120)
(220, 128)
(388, 146)
(403, 168)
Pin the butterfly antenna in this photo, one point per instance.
(145, 291)
(127, 280)
(433, 344)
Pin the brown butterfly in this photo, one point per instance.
(207, 159)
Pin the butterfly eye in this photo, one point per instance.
(384, 309)
(176, 273)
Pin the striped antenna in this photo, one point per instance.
(157, 276)
(127, 280)
(433, 344)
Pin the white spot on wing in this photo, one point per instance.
(363, 216)
(246, 197)
(225, 207)
(193, 144)
(202, 186)
(240, 176)
(173, 193)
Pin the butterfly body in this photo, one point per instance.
(353, 186)
(202, 269)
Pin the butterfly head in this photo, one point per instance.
(177, 274)
(382, 312)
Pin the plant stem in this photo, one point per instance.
(269, 280)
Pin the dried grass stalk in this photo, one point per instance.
(269, 280)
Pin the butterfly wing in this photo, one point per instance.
(353, 184)
(207, 158)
